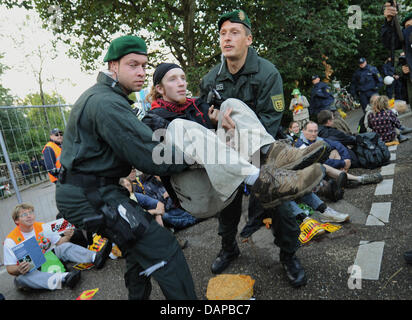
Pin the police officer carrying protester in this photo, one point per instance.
(366, 82)
(103, 140)
(246, 76)
(51, 152)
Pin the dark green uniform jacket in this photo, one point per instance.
(104, 137)
(259, 85)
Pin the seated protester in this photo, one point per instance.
(174, 217)
(27, 227)
(327, 214)
(146, 202)
(351, 180)
(383, 121)
(293, 131)
(327, 130)
(363, 122)
(136, 183)
(339, 157)
(332, 166)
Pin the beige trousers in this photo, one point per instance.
(224, 158)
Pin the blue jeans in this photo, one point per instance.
(310, 199)
(178, 218)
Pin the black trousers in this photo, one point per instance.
(284, 227)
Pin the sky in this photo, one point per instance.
(69, 80)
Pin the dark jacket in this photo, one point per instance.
(388, 69)
(343, 151)
(365, 79)
(155, 189)
(321, 98)
(258, 84)
(35, 166)
(336, 135)
(159, 118)
(105, 138)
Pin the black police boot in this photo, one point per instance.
(293, 268)
(224, 258)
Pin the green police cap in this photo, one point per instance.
(237, 16)
(119, 47)
(407, 17)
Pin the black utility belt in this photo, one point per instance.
(86, 180)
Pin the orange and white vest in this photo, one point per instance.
(57, 152)
(18, 237)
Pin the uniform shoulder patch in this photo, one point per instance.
(278, 102)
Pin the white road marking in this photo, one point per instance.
(384, 187)
(388, 170)
(393, 157)
(379, 214)
(393, 148)
(369, 258)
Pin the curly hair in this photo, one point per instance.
(380, 103)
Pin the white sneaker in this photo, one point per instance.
(331, 215)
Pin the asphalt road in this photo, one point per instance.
(327, 260)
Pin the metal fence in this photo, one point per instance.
(24, 130)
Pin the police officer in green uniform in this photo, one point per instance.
(246, 76)
(103, 140)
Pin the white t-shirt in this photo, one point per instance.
(10, 258)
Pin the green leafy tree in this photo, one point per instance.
(301, 37)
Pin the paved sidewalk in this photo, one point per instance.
(40, 195)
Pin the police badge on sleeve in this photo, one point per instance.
(278, 102)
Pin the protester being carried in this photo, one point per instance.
(26, 227)
(171, 109)
(195, 189)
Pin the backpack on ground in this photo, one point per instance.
(371, 150)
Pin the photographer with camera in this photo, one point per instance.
(394, 38)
